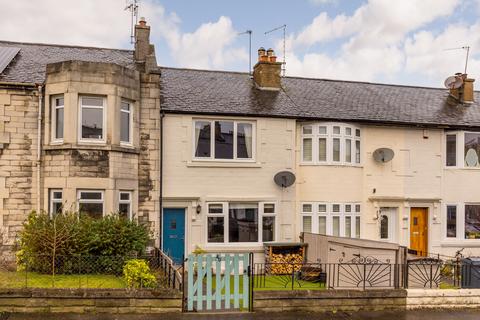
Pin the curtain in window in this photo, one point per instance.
(307, 149)
(248, 138)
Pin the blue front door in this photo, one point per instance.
(174, 233)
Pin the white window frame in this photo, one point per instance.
(212, 140)
(225, 215)
(329, 136)
(53, 200)
(104, 116)
(460, 156)
(130, 123)
(129, 202)
(54, 107)
(102, 200)
(329, 214)
(460, 239)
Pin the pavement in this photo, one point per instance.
(435, 314)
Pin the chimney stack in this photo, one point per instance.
(465, 93)
(144, 51)
(266, 72)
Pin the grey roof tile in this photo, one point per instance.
(30, 63)
(232, 93)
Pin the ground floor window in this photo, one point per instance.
(462, 221)
(91, 203)
(335, 219)
(125, 204)
(56, 201)
(241, 222)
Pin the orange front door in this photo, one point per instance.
(419, 230)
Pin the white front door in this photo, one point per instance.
(388, 224)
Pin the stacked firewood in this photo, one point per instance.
(286, 263)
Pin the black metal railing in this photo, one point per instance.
(87, 271)
(366, 273)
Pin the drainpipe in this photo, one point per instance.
(162, 115)
(39, 143)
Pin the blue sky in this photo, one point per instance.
(388, 41)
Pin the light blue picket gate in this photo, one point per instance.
(218, 282)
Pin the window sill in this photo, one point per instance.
(70, 146)
(468, 243)
(218, 164)
(306, 164)
(461, 168)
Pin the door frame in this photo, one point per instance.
(428, 209)
(185, 231)
(392, 224)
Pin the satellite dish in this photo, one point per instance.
(383, 155)
(284, 179)
(453, 82)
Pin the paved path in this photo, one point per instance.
(385, 315)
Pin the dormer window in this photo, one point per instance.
(330, 143)
(92, 119)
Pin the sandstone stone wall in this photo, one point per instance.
(18, 139)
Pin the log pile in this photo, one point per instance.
(284, 259)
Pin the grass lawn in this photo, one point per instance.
(272, 283)
(35, 280)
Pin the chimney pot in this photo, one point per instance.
(142, 22)
(270, 52)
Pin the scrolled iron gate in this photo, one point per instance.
(218, 282)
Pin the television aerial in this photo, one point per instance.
(284, 179)
(383, 155)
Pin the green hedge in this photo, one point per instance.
(72, 243)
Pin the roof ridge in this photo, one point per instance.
(314, 79)
(63, 45)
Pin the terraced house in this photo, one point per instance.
(194, 153)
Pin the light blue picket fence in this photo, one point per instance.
(218, 282)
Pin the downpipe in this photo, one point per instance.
(39, 144)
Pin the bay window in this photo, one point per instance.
(224, 140)
(337, 219)
(92, 119)
(56, 201)
(327, 143)
(125, 204)
(58, 109)
(241, 222)
(462, 221)
(126, 122)
(91, 203)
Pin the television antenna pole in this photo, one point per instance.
(284, 27)
(467, 49)
(249, 32)
(132, 6)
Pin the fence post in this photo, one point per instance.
(364, 275)
(431, 272)
(293, 275)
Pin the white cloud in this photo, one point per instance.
(372, 39)
(105, 24)
(321, 2)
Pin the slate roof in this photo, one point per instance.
(232, 93)
(30, 63)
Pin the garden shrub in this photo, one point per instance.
(72, 243)
(137, 274)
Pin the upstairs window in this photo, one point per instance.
(57, 118)
(462, 149)
(326, 143)
(92, 119)
(223, 140)
(126, 122)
